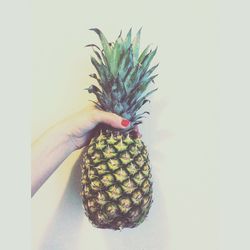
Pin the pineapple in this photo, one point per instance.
(116, 179)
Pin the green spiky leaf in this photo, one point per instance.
(127, 42)
(136, 46)
(123, 74)
(105, 44)
(143, 54)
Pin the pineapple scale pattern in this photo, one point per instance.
(116, 181)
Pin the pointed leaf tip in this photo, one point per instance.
(120, 34)
(136, 45)
(95, 30)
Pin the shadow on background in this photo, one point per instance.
(69, 215)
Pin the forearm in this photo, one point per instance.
(48, 152)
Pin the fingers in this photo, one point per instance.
(111, 119)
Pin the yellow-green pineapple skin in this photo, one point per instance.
(116, 181)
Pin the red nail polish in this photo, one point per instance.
(125, 123)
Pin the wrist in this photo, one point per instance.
(59, 135)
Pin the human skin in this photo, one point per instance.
(60, 140)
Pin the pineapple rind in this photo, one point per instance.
(120, 195)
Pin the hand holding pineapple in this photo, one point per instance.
(59, 141)
(79, 126)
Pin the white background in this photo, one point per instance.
(190, 152)
(180, 133)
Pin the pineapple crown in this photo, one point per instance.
(123, 75)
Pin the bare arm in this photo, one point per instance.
(59, 141)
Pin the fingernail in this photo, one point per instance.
(125, 123)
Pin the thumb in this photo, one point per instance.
(111, 119)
